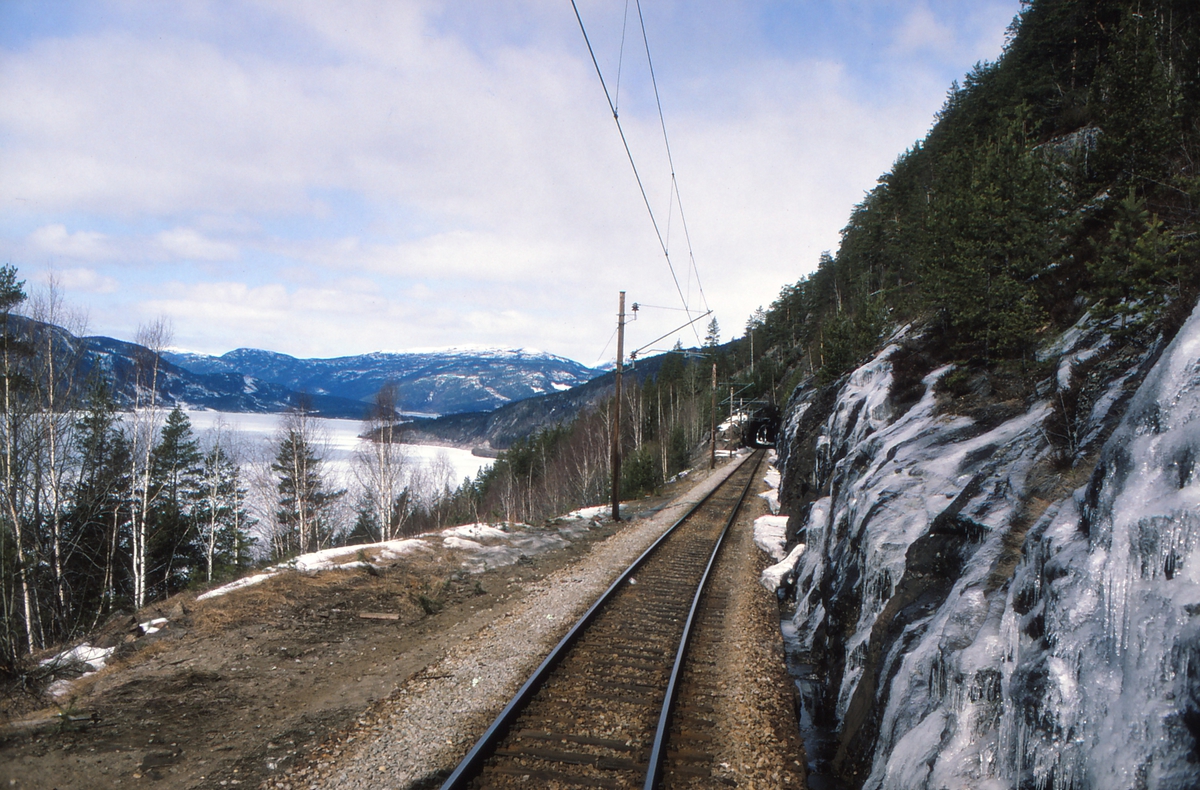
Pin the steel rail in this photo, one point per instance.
(659, 750)
(472, 763)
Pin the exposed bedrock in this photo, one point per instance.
(1000, 591)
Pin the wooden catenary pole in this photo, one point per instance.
(712, 450)
(616, 422)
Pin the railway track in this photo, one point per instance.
(598, 711)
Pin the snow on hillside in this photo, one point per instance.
(482, 546)
(440, 382)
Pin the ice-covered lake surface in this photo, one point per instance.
(340, 438)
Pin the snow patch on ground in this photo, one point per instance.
(475, 531)
(85, 655)
(599, 511)
(245, 581)
(153, 626)
(90, 659)
(486, 546)
(454, 542)
(774, 577)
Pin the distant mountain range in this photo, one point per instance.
(251, 380)
(427, 383)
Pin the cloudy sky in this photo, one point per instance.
(324, 178)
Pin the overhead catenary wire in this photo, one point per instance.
(604, 350)
(633, 354)
(677, 199)
(633, 164)
(644, 306)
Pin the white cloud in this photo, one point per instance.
(922, 30)
(379, 174)
(187, 244)
(57, 241)
(81, 280)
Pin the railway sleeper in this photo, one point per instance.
(587, 740)
(660, 668)
(602, 762)
(640, 688)
(542, 775)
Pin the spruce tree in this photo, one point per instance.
(305, 503)
(175, 473)
(96, 563)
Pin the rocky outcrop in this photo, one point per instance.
(1003, 589)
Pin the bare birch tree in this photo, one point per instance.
(381, 464)
(54, 383)
(144, 424)
(14, 354)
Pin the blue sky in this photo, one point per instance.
(325, 179)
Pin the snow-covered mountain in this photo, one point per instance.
(116, 361)
(427, 382)
(1002, 592)
(251, 380)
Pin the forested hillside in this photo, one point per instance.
(990, 440)
(1060, 178)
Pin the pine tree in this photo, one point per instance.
(712, 336)
(1139, 269)
(990, 229)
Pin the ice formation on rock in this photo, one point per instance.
(973, 633)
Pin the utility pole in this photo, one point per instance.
(616, 423)
(712, 450)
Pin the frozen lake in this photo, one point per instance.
(340, 437)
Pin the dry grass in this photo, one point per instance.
(278, 593)
(293, 594)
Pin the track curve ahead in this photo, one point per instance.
(596, 713)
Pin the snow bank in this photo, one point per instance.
(770, 535)
(326, 559)
(772, 478)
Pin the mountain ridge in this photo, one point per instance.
(431, 383)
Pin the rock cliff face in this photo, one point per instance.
(999, 591)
